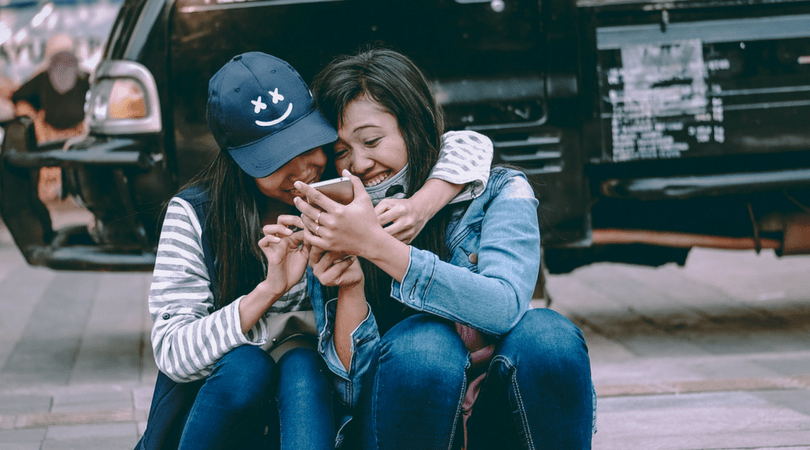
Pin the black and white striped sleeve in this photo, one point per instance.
(465, 158)
(188, 335)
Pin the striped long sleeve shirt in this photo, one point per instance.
(189, 335)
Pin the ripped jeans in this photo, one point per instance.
(537, 394)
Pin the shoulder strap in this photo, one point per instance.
(197, 197)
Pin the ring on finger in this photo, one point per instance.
(316, 230)
(318, 219)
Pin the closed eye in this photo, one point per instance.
(341, 153)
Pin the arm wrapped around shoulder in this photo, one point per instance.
(494, 259)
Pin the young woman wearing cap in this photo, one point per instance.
(438, 317)
(229, 265)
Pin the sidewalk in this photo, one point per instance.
(76, 367)
(682, 358)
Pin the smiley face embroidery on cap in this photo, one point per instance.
(259, 106)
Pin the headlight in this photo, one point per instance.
(117, 99)
(123, 100)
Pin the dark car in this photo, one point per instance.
(647, 128)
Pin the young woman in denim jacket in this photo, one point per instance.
(412, 325)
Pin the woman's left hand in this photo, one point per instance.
(286, 253)
(348, 229)
(403, 218)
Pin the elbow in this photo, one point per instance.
(170, 371)
(176, 377)
(509, 313)
(506, 324)
(166, 363)
(504, 321)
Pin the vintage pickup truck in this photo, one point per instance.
(647, 127)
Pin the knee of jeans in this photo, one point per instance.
(299, 368)
(300, 358)
(423, 348)
(546, 340)
(246, 372)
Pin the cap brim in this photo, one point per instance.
(265, 156)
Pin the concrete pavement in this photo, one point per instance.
(714, 355)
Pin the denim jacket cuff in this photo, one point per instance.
(413, 288)
(364, 339)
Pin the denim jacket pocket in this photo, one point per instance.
(465, 253)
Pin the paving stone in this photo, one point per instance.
(683, 401)
(609, 309)
(23, 404)
(33, 378)
(22, 436)
(749, 276)
(149, 370)
(68, 432)
(606, 350)
(112, 345)
(787, 365)
(92, 437)
(647, 370)
(22, 289)
(23, 446)
(788, 440)
(798, 401)
(698, 414)
(92, 443)
(108, 357)
(6, 348)
(142, 397)
(51, 339)
(100, 400)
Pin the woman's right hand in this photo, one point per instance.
(347, 229)
(286, 253)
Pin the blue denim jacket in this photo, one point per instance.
(486, 283)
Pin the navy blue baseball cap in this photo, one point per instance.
(262, 112)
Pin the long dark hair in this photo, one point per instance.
(233, 228)
(395, 82)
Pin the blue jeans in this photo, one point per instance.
(414, 400)
(234, 407)
(537, 394)
(305, 400)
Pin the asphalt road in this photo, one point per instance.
(713, 355)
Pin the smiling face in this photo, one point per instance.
(307, 167)
(369, 143)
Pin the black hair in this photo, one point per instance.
(395, 82)
(233, 228)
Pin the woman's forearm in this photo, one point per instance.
(434, 195)
(387, 253)
(254, 305)
(352, 309)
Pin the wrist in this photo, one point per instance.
(389, 254)
(354, 290)
(425, 205)
(266, 291)
(378, 245)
